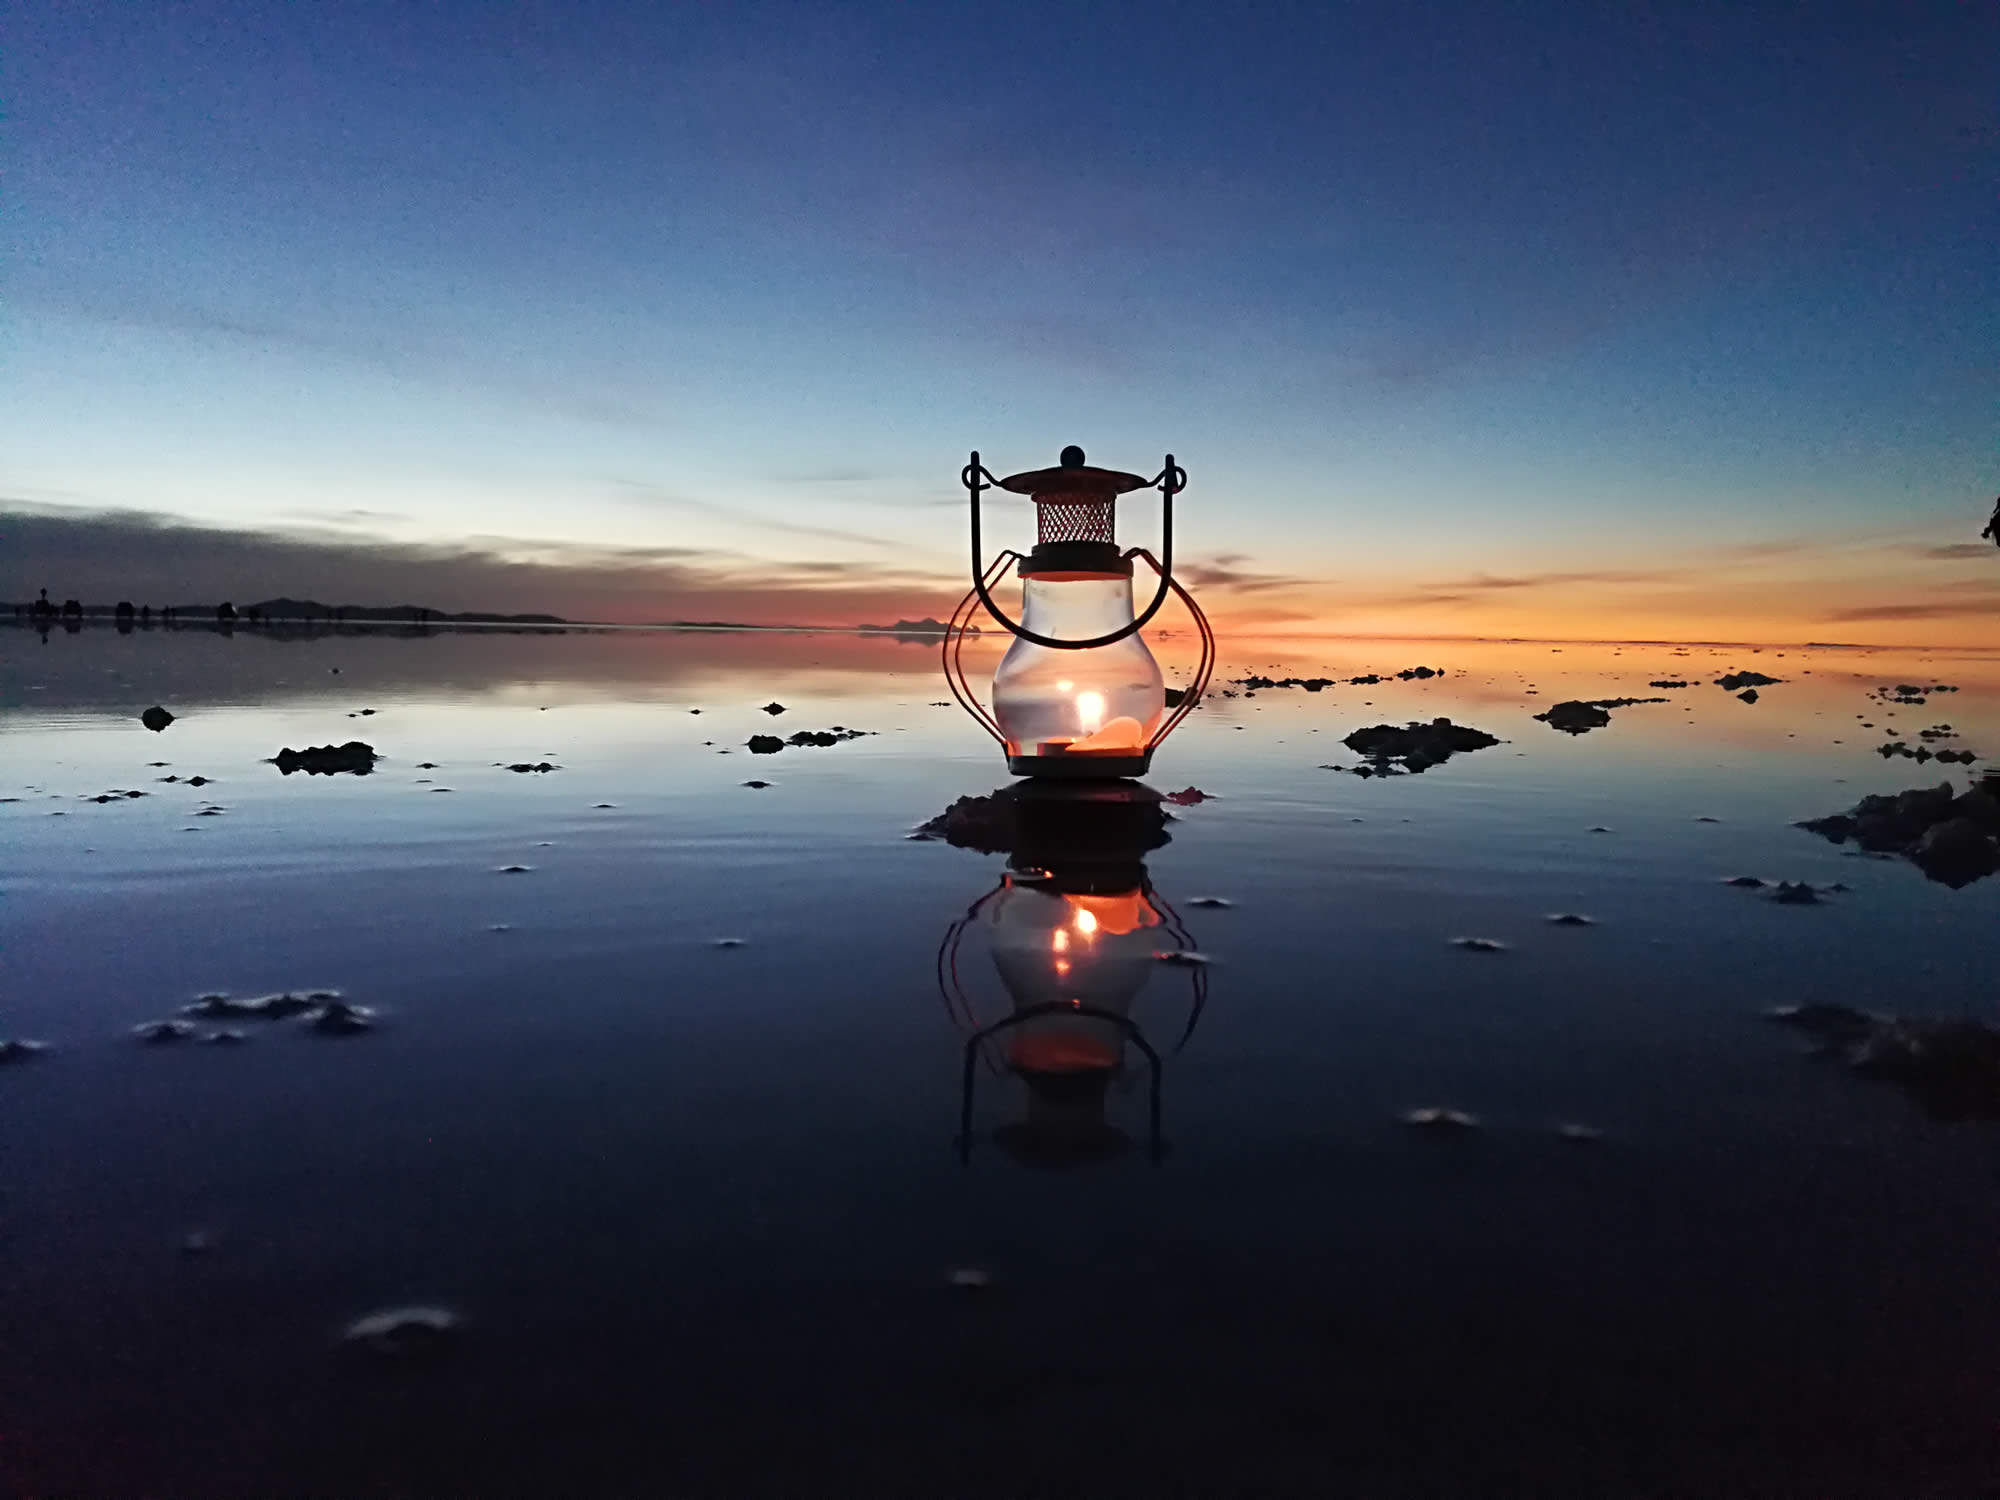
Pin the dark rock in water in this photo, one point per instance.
(354, 758)
(1571, 919)
(514, 869)
(1670, 682)
(1479, 945)
(405, 1332)
(156, 718)
(338, 1018)
(1578, 715)
(1953, 838)
(1575, 717)
(1438, 1121)
(824, 737)
(774, 709)
(757, 786)
(1747, 882)
(1950, 1067)
(729, 942)
(1210, 901)
(427, 765)
(1826, 1020)
(985, 824)
(224, 1038)
(1748, 695)
(1957, 852)
(1415, 746)
(1189, 797)
(278, 1007)
(1795, 893)
(1310, 684)
(765, 744)
(533, 766)
(19, 1049)
(1176, 697)
(1735, 681)
(1011, 820)
(161, 1033)
(199, 780)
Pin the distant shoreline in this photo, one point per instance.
(551, 625)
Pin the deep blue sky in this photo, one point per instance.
(1417, 292)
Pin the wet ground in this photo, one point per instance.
(697, 1209)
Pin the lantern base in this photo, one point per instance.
(1065, 767)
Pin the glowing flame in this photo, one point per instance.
(1090, 712)
(1086, 922)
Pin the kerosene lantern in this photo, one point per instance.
(1078, 694)
(1075, 931)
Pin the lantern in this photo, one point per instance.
(1078, 694)
(1075, 931)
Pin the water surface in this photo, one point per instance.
(698, 1205)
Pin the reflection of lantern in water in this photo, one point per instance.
(1076, 930)
(1078, 694)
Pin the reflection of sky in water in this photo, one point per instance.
(600, 1097)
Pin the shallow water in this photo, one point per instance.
(698, 1205)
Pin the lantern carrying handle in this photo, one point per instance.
(1170, 481)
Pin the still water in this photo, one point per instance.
(699, 1207)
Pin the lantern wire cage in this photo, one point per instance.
(1075, 518)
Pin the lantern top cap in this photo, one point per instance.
(1073, 477)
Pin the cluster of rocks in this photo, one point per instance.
(323, 1012)
(1670, 682)
(1580, 715)
(1951, 1067)
(113, 796)
(1414, 747)
(1953, 837)
(538, 766)
(770, 744)
(354, 758)
(1318, 684)
(1896, 748)
(1735, 682)
(1910, 693)
(1787, 892)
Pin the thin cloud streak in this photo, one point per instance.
(102, 556)
(638, 492)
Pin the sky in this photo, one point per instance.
(1599, 321)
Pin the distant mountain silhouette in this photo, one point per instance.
(312, 609)
(925, 626)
